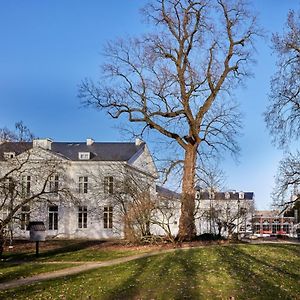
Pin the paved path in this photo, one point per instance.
(86, 266)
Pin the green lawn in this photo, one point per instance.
(214, 272)
(14, 271)
(73, 250)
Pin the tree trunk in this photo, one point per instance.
(187, 228)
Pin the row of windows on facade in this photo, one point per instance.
(53, 184)
(272, 228)
(83, 184)
(82, 217)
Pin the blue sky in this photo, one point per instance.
(47, 47)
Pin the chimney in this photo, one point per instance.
(42, 143)
(89, 142)
(138, 142)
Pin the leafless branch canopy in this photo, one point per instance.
(176, 79)
(169, 79)
(287, 179)
(283, 113)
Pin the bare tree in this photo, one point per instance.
(283, 113)
(287, 180)
(224, 216)
(173, 79)
(18, 172)
(21, 133)
(134, 205)
(130, 194)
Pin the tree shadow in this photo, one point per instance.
(67, 248)
(23, 271)
(288, 247)
(254, 278)
(169, 276)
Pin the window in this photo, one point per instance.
(108, 217)
(82, 217)
(53, 217)
(84, 155)
(26, 185)
(3, 215)
(257, 228)
(83, 184)
(8, 155)
(286, 228)
(9, 186)
(108, 185)
(276, 227)
(266, 226)
(25, 217)
(53, 184)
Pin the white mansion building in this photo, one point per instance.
(72, 185)
(83, 189)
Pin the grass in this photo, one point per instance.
(71, 250)
(214, 272)
(15, 271)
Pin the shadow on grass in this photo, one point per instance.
(256, 278)
(23, 270)
(288, 247)
(63, 247)
(170, 276)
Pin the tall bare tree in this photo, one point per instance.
(171, 79)
(283, 113)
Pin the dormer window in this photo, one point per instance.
(241, 195)
(8, 155)
(84, 155)
(227, 195)
(211, 195)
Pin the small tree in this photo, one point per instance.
(132, 197)
(287, 179)
(25, 178)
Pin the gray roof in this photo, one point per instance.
(99, 151)
(164, 192)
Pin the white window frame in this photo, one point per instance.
(24, 217)
(227, 195)
(82, 217)
(26, 185)
(9, 155)
(54, 184)
(108, 185)
(3, 215)
(83, 184)
(53, 217)
(84, 155)
(108, 217)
